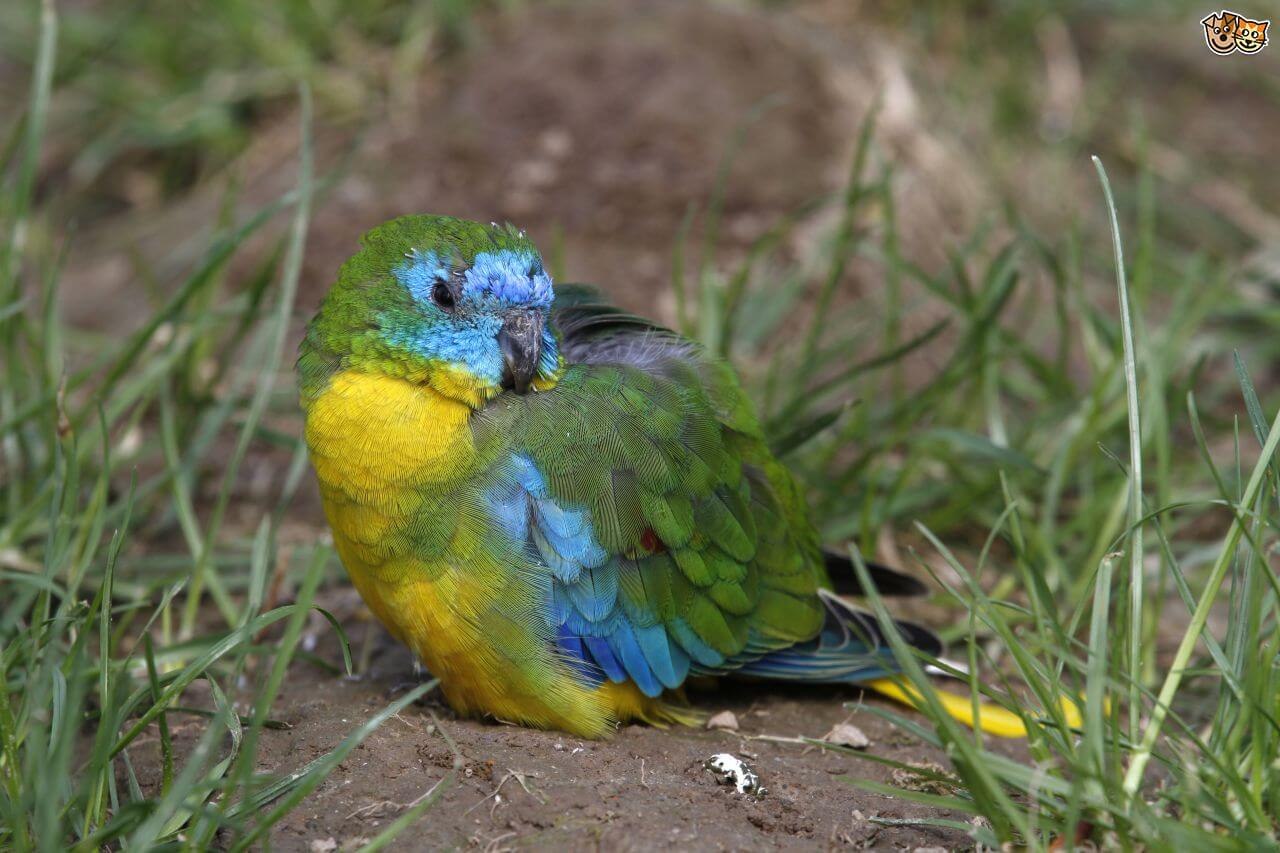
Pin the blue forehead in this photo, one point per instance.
(509, 277)
(500, 279)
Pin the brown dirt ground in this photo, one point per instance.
(642, 789)
(596, 128)
(593, 126)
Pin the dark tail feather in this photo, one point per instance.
(850, 649)
(844, 580)
(862, 626)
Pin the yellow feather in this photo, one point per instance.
(368, 432)
(993, 719)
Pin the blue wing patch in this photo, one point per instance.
(603, 635)
(589, 628)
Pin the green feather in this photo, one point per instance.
(650, 454)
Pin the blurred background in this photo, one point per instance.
(600, 125)
(631, 138)
(868, 159)
(885, 214)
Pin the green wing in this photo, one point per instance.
(641, 485)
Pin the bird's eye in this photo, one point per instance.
(442, 296)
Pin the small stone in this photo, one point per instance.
(723, 720)
(557, 142)
(844, 734)
(324, 845)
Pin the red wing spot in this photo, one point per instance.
(650, 541)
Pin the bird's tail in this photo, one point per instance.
(851, 649)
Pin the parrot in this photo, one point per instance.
(566, 512)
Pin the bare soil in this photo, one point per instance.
(642, 789)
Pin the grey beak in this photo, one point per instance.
(520, 340)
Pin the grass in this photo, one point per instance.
(97, 650)
(1178, 746)
(165, 94)
(1061, 462)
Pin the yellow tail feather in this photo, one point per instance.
(993, 719)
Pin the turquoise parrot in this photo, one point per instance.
(566, 511)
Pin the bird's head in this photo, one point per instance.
(456, 305)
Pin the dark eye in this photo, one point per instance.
(442, 296)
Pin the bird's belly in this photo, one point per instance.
(383, 450)
(489, 660)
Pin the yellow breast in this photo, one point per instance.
(371, 433)
(377, 443)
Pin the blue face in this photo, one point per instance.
(487, 318)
